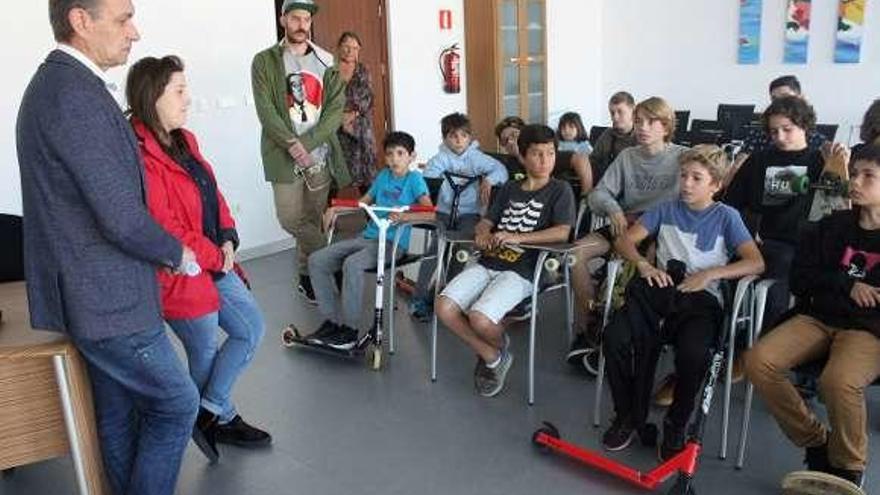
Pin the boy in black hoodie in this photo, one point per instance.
(836, 278)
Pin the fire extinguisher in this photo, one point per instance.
(450, 67)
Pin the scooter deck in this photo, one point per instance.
(292, 338)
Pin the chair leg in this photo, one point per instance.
(569, 306)
(610, 278)
(728, 381)
(439, 281)
(760, 302)
(392, 293)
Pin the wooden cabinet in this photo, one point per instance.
(506, 59)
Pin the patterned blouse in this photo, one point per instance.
(359, 147)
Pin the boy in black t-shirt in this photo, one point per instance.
(762, 191)
(539, 209)
(836, 276)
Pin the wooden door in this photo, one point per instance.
(367, 18)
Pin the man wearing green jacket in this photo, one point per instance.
(300, 97)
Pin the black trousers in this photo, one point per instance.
(778, 257)
(633, 339)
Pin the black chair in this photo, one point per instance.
(11, 249)
(733, 118)
(827, 130)
(699, 125)
(682, 119)
(595, 132)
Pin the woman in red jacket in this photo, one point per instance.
(183, 196)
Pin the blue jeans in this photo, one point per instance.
(215, 370)
(145, 406)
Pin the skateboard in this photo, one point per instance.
(831, 189)
(817, 483)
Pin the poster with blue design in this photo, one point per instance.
(850, 25)
(749, 49)
(797, 31)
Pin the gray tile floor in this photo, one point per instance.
(341, 429)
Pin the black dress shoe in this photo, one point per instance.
(205, 434)
(241, 434)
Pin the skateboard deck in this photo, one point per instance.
(817, 483)
(832, 189)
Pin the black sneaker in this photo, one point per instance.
(204, 434)
(344, 339)
(619, 435)
(326, 329)
(580, 347)
(241, 434)
(305, 289)
(816, 458)
(855, 477)
(673, 441)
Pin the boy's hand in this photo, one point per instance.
(396, 216)
(864, 295)
(501, 238)
(653, 275)
(228, 250)
(696, 281)
(485, 191)
(618, 224)
(483, 241)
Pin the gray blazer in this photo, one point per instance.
(91, 247)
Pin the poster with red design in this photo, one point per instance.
(797, 31)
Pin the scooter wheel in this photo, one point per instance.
(547, 429)
(375, 359)
(682, 486)
(551, 265)
(287, 336)
(462, 256)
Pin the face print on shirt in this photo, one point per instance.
(305, 92)
(858, 264)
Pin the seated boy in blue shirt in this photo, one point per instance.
(696, 239)
(396, 185)
(538, 209)
(459, 154)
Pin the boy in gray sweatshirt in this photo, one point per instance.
(638, 179)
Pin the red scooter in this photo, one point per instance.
(684, 464)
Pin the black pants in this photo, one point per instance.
(632, 342)
(778, 258)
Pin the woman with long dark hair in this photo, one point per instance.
(184, 197)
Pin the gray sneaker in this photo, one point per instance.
(490, 382)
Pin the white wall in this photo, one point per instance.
(685, 51)
(217, 44)
(414, 45)
(574, 60)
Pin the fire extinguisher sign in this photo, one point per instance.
(445, 19)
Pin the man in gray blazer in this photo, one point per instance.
(92, 249)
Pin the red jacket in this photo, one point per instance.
(175, 202)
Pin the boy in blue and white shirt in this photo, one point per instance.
(459, 154)
(696, 240)
(396, 185)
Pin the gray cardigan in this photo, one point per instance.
(91, 247)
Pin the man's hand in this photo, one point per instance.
(653, 275)
(618, 224)
(299, 154)
(228, 256)
(348, 118)
(187, 258)
(485, 191)
(696, 281)
(864, 295)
